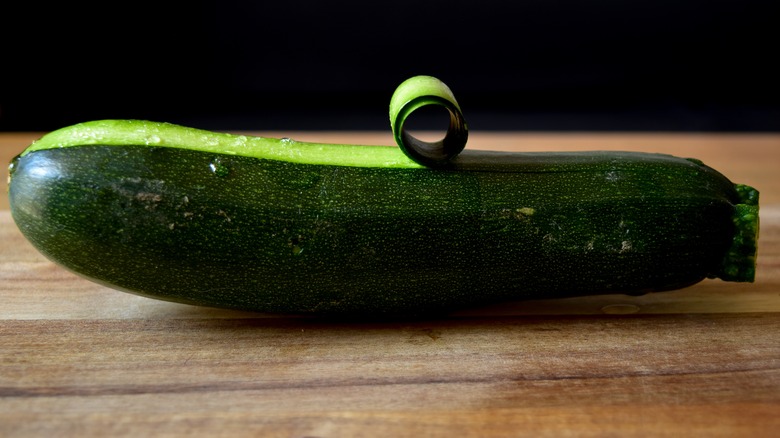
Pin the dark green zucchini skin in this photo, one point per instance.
(273, 236)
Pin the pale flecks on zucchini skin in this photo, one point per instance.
(228, 230)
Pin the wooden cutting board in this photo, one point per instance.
(79, 359)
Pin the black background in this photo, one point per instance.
(614, 65)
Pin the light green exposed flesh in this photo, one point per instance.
(157, 134)
(416, 87)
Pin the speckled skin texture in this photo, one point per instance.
(271, 236)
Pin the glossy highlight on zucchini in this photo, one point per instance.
(276, 225)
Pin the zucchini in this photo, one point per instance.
(275, 225)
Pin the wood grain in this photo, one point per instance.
(696, 375)
(79, 359)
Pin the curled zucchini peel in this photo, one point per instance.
(413, 94)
